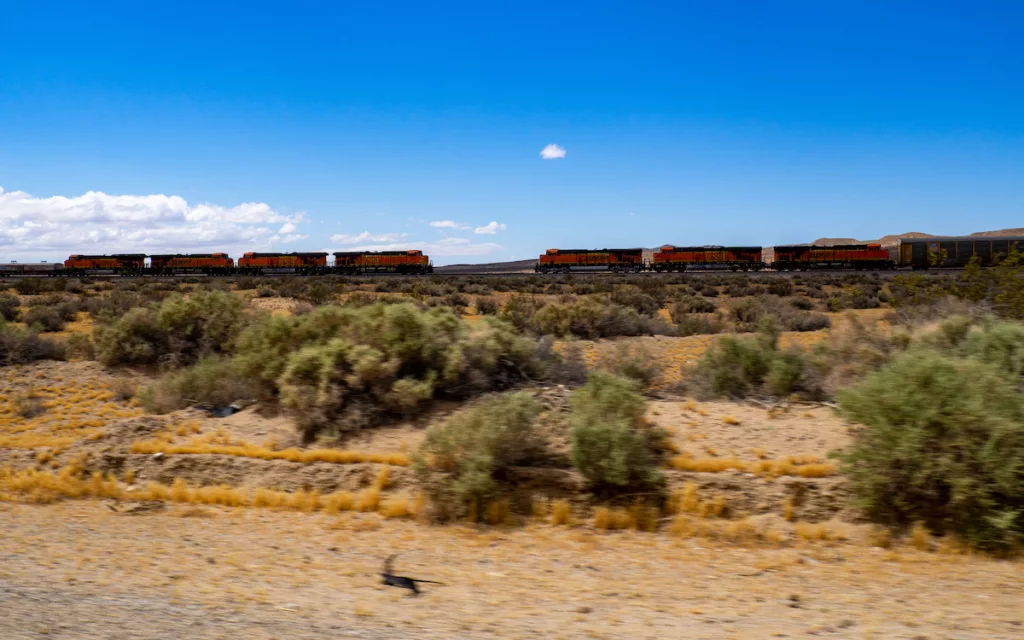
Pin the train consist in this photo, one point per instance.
(221, 264)
(915, 253)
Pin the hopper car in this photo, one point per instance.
(839, 256)
(568, 260)
(672, 258)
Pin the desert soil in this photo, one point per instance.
(78, 570)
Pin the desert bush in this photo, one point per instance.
(318, 293)
(632, 296)
(340, 368)
(178, 332)
(30, 286)
(9, 307)
(943, 443)
(690, 304)
(699, 324)
(45, 318)
(463, 460)
(803, 304)
(486, 305)
(18, 346)
(612, 445)
(108, 308)
(29, 405)
(211, 382)
(79, 345)
(589, 318)
(781, 287)
(750, 312)
(633, 363)
(519, 310)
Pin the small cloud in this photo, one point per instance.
(366, 236)
(490, 229)
(288, 227)
(631, 214)
(448, 224)
(552, 152)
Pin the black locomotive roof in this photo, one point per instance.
(129, 256)
(186, 255)
(373, 253)
(600, 250)
(316, 254)
(796, 247)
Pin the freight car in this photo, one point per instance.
(308, 263)
(128, 264)
(923, 253)
(411, 261)
(214, 264)
(30, 269)
(672, 258)
(837, 256)
(566, 260)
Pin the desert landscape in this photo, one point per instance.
(151, 486)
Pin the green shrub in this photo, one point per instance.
(750, 312)
(633, 297)
(79, 345)
(18, 346)
(612, 446)
(178, 332)
(472, 450)
(46, 319)
(633, 363)
(690, 304)
(338, 368)
(1000, 344)
(943, 444)
(519, 310)
(486, 305)
(211, 382)
(9, 307)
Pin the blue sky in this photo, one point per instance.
(302, 126)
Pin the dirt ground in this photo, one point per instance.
(78, 570)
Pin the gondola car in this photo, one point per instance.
(305, 263)
(672, 258)
(838, 256)
(566, 260)
(924, 253)
(214, 264)
(411, 261)
(30, 269)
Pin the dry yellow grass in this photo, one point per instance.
(802, 466)
(561, 512)
(920, 537)
(731, 420)
(334, 456)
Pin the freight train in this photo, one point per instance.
(221, 264)
(915, 253)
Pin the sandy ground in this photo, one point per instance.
(77, 570)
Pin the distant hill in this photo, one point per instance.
(517, 266)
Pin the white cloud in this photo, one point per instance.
(96, 222)
(449, 224)
(490, 228)
(444, 247)
(552, 152)
(366, 236)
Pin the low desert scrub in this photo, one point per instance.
(634, 363)
(688, 501)
(18, 346)
(463, 459)
(211, 382)
(920, 538)
(334, 456)
(943, 444)
(612, 444)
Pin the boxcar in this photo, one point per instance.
(837, 256)
(306, 263)
(923, 253)
(672, 258)
(409, 261)
(118, 263)
(209, 263)
(566, 260)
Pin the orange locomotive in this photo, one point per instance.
(672, 258)
(308, 263)
(119, 263)
(209, 263)
(838, 256)
(410, 261)
(566, 260)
